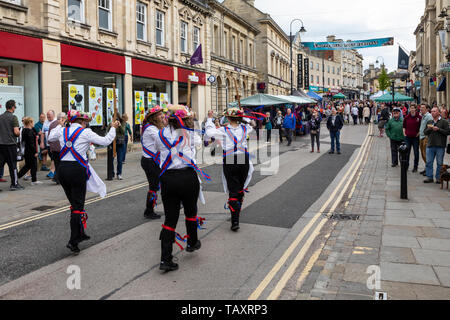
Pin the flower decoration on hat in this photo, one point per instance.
(155, 110)
(179, 111)
(76, 114)
(234, 113)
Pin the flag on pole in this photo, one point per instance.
(197, 57)
(403, 59)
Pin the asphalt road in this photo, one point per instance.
(36, 244)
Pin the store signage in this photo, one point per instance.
(96, 106)
(306, 71)
(15, 93)
(152, 99)
(300, 71)
(76, 97)
(3, 76)
(139, 108)
(444, 67)
(163, 100)
(193, 77)
(212, 79)
(314, 88)
(110, 103)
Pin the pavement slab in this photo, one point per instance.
(410, 273)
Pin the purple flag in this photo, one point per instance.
(197, 57)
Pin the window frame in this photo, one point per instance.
(160, 28)
(140, 5)
(82, 12)
(110, 14)
(183, 29)
(195, 34)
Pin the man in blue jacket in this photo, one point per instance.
(334, 125)
(289, 125)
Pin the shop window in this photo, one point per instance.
(183, 37)
(141, 21)
(105, 14)
(19, 81)
(75, 10)
(92, 92)
(159, 28)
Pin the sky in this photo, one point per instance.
(352, 20)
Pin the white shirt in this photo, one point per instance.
(149, 140)
(225, 139)
(187, 146)
(46, 129)
(355, 111)
(83, 142)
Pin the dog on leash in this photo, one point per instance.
(445, 175)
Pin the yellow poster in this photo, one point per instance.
(139, 109)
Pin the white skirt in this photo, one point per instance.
(95, 184)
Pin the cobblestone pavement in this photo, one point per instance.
(408, 240)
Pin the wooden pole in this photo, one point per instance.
(238, 97)
(115, 119)
(188, 103)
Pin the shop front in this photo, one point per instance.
(20, 68)
(88, 78)
(152, 85)
(198, 90)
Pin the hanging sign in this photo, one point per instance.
(306, 68)
(76, 97)
(139, 109)
(348, 45)
(300, 71)
(110, 104)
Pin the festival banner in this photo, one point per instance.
(76, 97)
(139, 108)
(403, 59)
(306, 68)
(348, 45)
(110, 103)
(96, 106)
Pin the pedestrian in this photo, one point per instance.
(55, 147)
(180, 183)
(74, 172)
(150, 162)
(437, 131)
(41, 139)
(314, 125)
(426, 116)
(289, 123)
(347, 112)
(51, 117)
(394, 130)
(279, 124)
(268, 126)
(120, 147)
(334, 124)
(29, 139)
(366, 114)
(355, 112)
(411, 130)
(360, 113)
(237, 167)
(128, 136)
(9, 131)
(384, 118)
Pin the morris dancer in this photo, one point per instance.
(179, 182)
(74, 172)
(237, 167)
(153, 122)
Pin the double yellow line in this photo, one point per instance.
(65, 208)
(350, 174)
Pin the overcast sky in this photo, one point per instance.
(352, 20)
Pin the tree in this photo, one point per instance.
(383, 80)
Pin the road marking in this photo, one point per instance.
(294, 265)
(272, 273)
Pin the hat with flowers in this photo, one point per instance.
(234, 113)
(73, 115)
(178, 111)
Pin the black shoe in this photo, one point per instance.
(168, 266)
(197, 246)
(438, 182)
(415, 170)
(85, 237)
(331, 152)
(73, 248)
(16, 187)
(394, 165)
(428, 180)
(235, 226)
(423, 172)
(151, 216)
(338, 152)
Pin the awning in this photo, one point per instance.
(443, 85)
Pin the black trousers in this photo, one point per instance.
(57, 160)
(30, 164)
(315, 138)
(236, 172)
(73, 177)
(8, 154)
(178, 187)
(394, 151)
(152, 171)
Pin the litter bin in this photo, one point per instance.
(403, 150)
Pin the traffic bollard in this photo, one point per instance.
(403, 150)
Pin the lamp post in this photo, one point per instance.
(302, 30)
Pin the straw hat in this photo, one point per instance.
(233, 113)
(73, 115)
(178, 110)
(154, 111)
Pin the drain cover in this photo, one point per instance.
(43, 208)
(340, 216)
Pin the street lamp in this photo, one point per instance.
(302, 30)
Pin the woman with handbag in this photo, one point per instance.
(314, 125)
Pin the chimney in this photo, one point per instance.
(331, 38)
